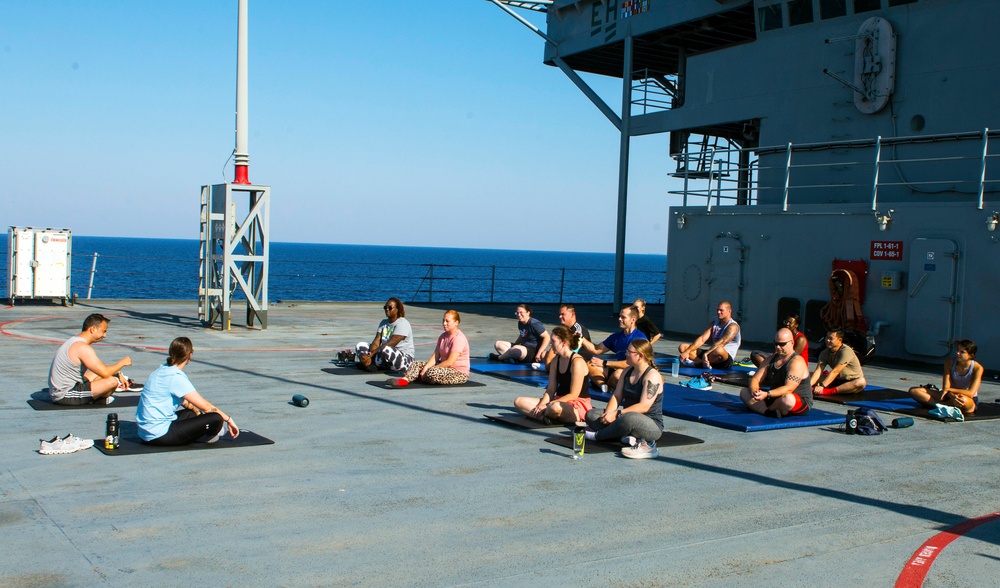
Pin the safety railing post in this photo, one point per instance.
(982, 166)
(788, 176)
(562, 284)
(878, 160)
(493, 281)
(430, 287)
(93, 269)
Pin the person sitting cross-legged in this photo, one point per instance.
(567, 396)
(635, 412)
(838, 369)
(781, 385)
(448, 365)
(960, 382)
(392, 347)
(722, 336)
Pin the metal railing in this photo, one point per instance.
(130, 277)
(871, 169)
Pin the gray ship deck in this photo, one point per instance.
(367, 487)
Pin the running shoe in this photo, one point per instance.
(697, 383)
(222, 433)
(745, 362)
(641, 450)
(629, 440)
(68, 444)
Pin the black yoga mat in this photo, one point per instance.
(120, 402)
(986, 411)
(420, 385)
(876, 395)
(520, 421)
(350, 370)
(667, 439)
(133, 446)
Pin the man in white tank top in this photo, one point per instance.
(723, 335)
(77, 375)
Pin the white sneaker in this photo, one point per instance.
(590, 435)
(109, 400)
(604, 388)
(222, 433)
(641, 450)
(629, 440)
(69, 444)
(538, 366)
(687, 363)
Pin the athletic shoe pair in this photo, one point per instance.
(68, 444)
(641, 450)
(698, 383)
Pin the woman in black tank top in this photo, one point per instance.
(567, 396)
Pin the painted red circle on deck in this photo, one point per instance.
(920, 563)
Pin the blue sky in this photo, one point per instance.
(406, 123)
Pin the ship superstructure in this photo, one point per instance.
(807, 135)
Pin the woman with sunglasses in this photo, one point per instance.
(635, 412)
(781, 385)
(392, 347)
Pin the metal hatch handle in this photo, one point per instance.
(916, 286)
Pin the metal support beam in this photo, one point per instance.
(625, 129)
(589, 93)
(572, 75)
(233, 255)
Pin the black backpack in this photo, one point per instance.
(863, 421)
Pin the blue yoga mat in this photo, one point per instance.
(516, 372)
(728, 412)
(886, 405)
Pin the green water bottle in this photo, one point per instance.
(579, 440)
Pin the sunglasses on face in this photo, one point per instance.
(781, 343)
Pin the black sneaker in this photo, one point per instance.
(493, 357)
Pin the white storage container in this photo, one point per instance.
(38, 265)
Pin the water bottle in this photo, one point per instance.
(111, 432)
(300, 400)
(579, 440)
(675, 367)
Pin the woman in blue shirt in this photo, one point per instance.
(171, 412)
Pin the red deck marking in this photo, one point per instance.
(916, 569)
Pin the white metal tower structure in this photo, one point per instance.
(235, 242)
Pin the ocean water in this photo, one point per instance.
(168, 269)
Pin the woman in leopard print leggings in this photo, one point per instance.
(449, 365)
